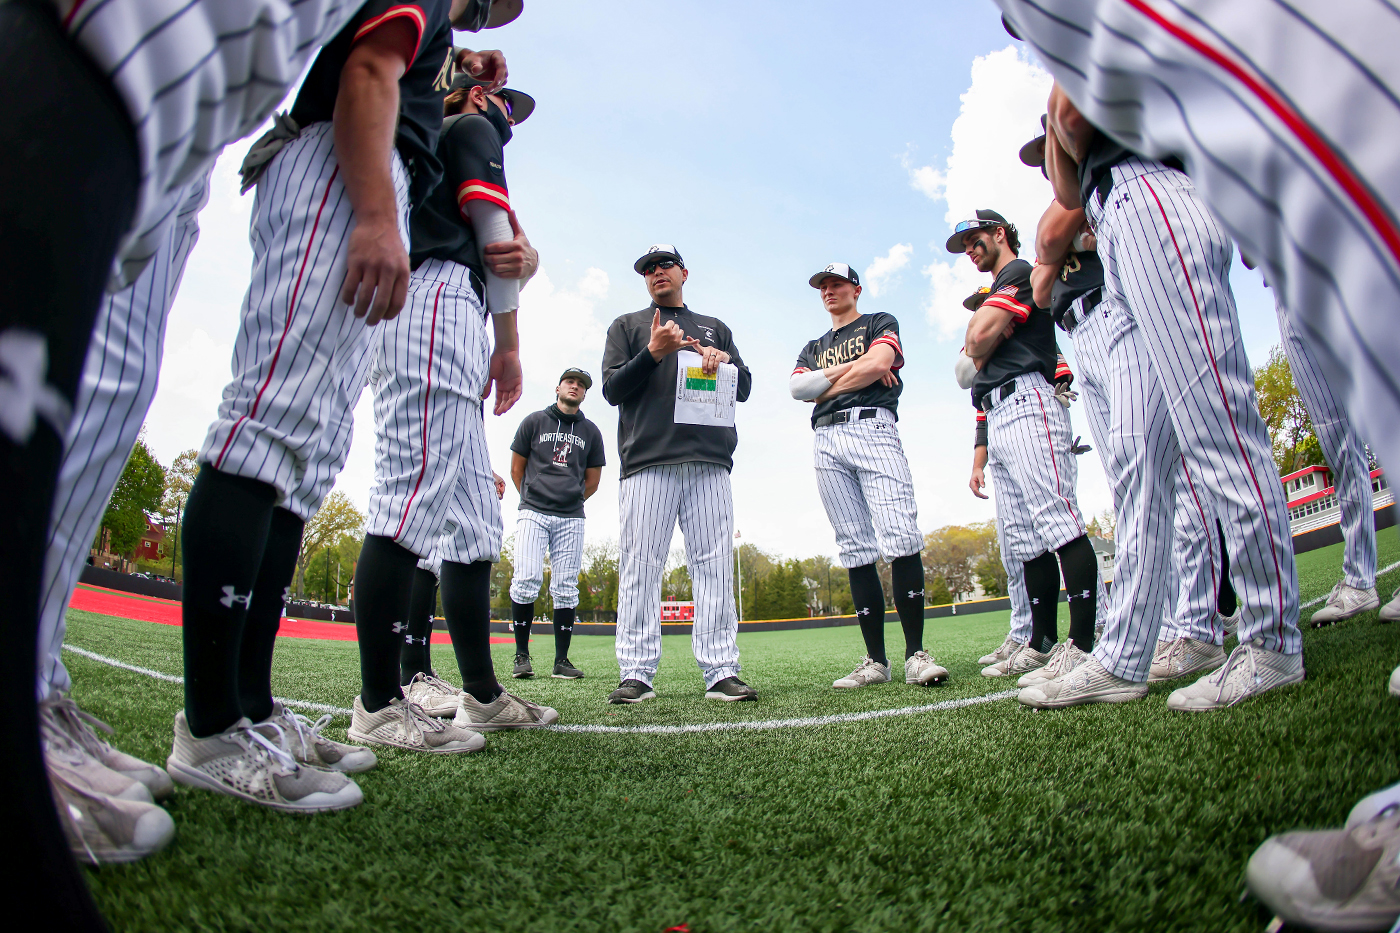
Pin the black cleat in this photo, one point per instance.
(563, 670)
(522, 666)
(631, 691)
(731, 689)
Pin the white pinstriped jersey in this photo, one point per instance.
(195, 76)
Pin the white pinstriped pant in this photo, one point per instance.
(286, 417)
(1168, 261)
(865, 484)
(1345, 453)
(651, 501)
(119, 381)
(1196, 564)
(1015, 576)
(562, 537)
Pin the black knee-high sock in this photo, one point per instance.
(1225, 599)
(466, 602)
(563, 632)
(521, 614)
(869, 598)
(227, 519)
(279, 564)
(1081, 571)
(383, 591)
(415, 653)
(907, 578)
(1043, 588)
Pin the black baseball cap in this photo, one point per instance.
(657, 252)
(837, 270)
(488, 14)
(521, 104)
(979, 221)
(580, 374)
(974, 301)
(1010, 29)
(1033, 152)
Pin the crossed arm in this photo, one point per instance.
(877, 365)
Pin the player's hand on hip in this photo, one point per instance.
(977, 483)
(489, 65)
(710, 358)
(376, 280)
(667, 338)
(514, 258)
(505, 374)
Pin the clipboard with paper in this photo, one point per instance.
(705, 398)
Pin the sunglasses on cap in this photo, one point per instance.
(966, 225)
(651, 267)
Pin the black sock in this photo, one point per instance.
(563, 632)
(1081, 570)
(466, 601)
(416, 651)
(907, 578)
(1043, 588)
(1225, 599)
(521, 614)
(869, 598)
(383, 590)
(279, 565)
(226, 525)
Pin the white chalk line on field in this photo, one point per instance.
(807, 721)
(1323, 598)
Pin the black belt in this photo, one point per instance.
(1069, 321)
(478, 286)
(1006, 390)
(845, 416)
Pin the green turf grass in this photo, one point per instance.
(993, 816)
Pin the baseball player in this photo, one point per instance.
(674, 469)
(850, 373)
(556, 462)
(1011, 343)
(1292, 176)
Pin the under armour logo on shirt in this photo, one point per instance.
(25, 396)
(231, 596)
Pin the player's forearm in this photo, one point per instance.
(1043, 282)
(491, 224)
(1063, 172)
(366, 115)
(979, 457)
(630, 378)
(984, 332)
(507, 336)
(863, 372)
(517, 470)
(1054, 236)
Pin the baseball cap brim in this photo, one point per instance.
(658, 256)
(1033, 152)
(578, 374)
(504, 11)
(521, 105)
(816, 280)
(974, 301)
(1010, 29)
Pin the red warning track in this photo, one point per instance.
(167, 612)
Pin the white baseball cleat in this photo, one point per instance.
(1182, 656)
(1390, 612)
(1248, 671)
(1230, 623)
(1001, 654)
(921, 668)
(1344, 602)
(1064, 657)
(104, 830)
(1023, 660)
(405, 725)
(1373, 805)
(1090, 682)
(1395, 682)
(60, 714)
(303, 740)
(867, 672)
(435, 695)
(507, 711)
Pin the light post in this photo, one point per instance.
(739, 562)
(175, 545)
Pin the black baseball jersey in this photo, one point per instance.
(558, 449)
(1080, 276)
(421, 89)
(1031, 348)
(846, 344)
(473, 161)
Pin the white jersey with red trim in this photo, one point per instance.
(195, 76)
(1285, 116)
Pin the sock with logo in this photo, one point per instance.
(225, 531)
(563, 632)
(1225, 599)
(1081, 570)
(466, 602)
(521, 615)
(869, 599)
(1043, 588)
(279, 565)
(415, 654)
(907, 578)
(383, 591)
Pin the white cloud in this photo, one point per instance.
(883, 271)
(1000, 110)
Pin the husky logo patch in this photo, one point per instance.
(561, 454)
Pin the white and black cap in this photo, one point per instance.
(836, 270)
(658, 252)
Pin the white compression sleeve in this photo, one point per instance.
(492, 225)
(807, 386)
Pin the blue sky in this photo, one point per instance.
(764, 141)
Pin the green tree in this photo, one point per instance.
(952, 554)
(1104, 525)
(936, 592)
(138, 494)
(337, 518)
(501, 573)
(1290, 428)
(990, 570)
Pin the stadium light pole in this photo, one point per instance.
(175, 545)
(739, 562)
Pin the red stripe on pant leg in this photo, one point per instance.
(427, 395)
(1220, 384)
(1045, 419)
(291, 309)
(1210, 538)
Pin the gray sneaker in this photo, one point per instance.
(1248, 671)
(405, 725)
(103, 830)
(1343, 603)
(564, 670)
(1182, 656)
(522, 666)
(867, 672)
(1090, 682)
(1335, 879)
(631, 691)
(302, 738)
(435, 695)
(923, 669)
(241, 762)
(61, 714)
(1064, 657)
(1022, 660)
(1001, 654)
(507, 711)
(69, 762)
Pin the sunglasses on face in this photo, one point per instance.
(651, 267)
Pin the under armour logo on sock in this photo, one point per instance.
(410, 640)
(230, 597)
(400, 627)
(912, 594)
(566, 628)
(863, 612)
(25, 395)
(286, 593)
(1035, 600)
